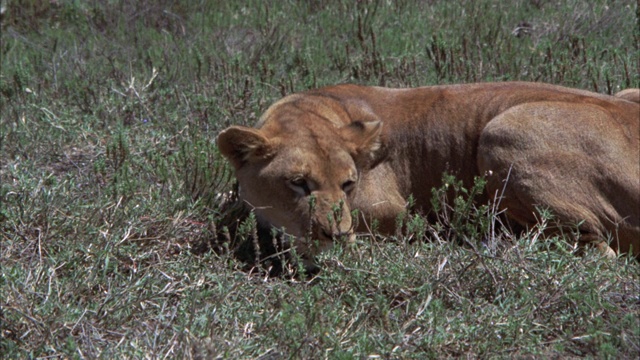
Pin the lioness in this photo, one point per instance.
(316, 155)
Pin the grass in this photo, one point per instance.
(110, 184)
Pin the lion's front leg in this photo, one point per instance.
(379, 201)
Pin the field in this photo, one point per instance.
(113, 242)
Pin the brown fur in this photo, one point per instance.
(629, 94)
(574, 152)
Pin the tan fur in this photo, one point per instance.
(573, 152)
(629, 94)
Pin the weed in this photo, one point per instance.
(458, 217)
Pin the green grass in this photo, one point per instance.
(110, 184)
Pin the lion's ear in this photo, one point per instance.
(241, 144)
(370, 147)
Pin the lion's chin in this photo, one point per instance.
(306, 249)
(313, 247)
(351, 239)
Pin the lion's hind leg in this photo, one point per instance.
(564, 158)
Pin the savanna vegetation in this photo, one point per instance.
(117, 239)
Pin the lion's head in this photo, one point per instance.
(301, 168)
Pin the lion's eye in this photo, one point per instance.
(300, 186)
(348, 186)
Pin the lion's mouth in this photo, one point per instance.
(314, 242)
(312, 245)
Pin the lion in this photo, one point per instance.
(315, 156)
